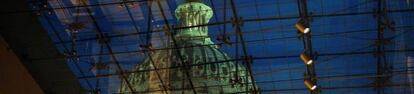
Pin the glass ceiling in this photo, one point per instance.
(344, 40)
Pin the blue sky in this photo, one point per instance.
(343, 34)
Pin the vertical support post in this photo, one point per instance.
(383, 68)
(238, 22)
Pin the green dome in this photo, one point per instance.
(212, 71)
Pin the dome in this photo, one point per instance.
(191, 64)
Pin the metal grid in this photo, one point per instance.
(344, 39)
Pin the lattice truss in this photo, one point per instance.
(283, 46)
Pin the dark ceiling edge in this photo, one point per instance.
(28, 39)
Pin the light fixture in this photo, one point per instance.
(76, 26)
(99, 66)
(302, 28)
(224, 38)
(310, 85)
(306, 59)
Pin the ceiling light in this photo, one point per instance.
(306, 59)
(302, 28)
(310, 85)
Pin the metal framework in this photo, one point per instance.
(185, 66)
(246, 58)
(384, 68)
